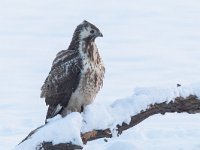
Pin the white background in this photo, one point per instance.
(145, 43)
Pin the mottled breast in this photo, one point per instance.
(92, 74)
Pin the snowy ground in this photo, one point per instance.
(145, 43)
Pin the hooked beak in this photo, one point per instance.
(99, 34)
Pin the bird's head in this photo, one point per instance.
(88, 31)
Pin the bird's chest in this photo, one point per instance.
(91, 80)
(91, 76)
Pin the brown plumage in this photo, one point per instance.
(76, 74)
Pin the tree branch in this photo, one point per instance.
(190, 105)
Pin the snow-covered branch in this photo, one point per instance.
(190, 105)
(99, 121)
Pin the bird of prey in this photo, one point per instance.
(76, 74)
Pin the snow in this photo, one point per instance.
(59, 130)
(98, 116)
(157, 132)
(146, 44)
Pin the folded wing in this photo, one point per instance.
(62, 81)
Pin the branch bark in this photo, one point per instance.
(190, 105)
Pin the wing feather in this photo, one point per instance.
(62, 81)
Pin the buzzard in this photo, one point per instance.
(76, 74)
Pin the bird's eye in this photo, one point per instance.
(92, 31)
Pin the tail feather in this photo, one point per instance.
(53, 111)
